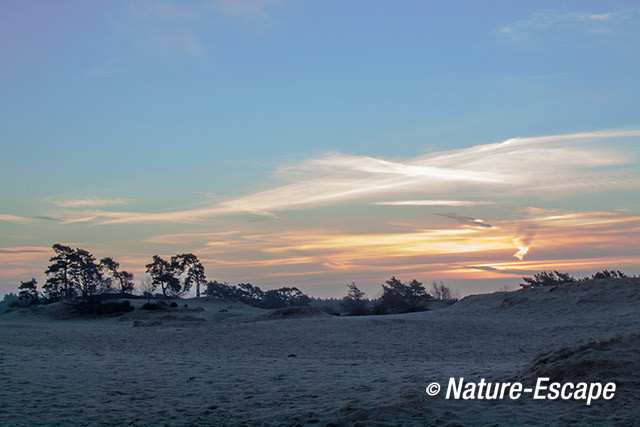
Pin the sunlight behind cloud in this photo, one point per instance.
(522, 250)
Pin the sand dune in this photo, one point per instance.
(237, 364)
(612, 359)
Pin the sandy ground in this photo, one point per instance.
(231, 364)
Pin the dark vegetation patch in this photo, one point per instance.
(102, 308)
(151, 306)
(294, 312)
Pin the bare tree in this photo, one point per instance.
(440, 292)
(147, 287)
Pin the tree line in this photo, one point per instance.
(75, 273)
(254, 296)
(397, 297)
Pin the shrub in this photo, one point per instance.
(606, 274)
(150, 306)
(380, 309)
(173, 304)
(545, 278)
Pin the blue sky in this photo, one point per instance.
(152, 107)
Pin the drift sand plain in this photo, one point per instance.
(223, 363)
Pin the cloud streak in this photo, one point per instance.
(431, 247)
(561, 23)
(466, 220)
(510, 271)
(558, 19)
(90, 202)
(14, 218)
(547, 165)
(594, 240)
(433, 203)
(24, 250)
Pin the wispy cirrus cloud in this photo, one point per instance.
(14, 218)
(467, 220)
(506, 270)
(557, 18)
(16, 261)
(84, 202)
(434, 203)
(48, 218)
(545, 165)
(24, 250)
(582, 23)
(185, 238)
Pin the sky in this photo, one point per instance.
(319, 143)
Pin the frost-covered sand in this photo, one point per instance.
(243, 365)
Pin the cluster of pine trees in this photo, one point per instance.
(76, 273)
